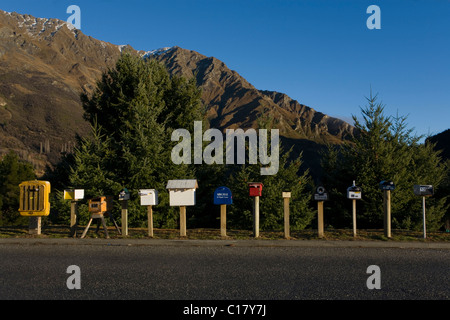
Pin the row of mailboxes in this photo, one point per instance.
(34, 195)
(353, 192)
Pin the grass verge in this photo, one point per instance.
(214, 234)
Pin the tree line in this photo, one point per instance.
(134, 110)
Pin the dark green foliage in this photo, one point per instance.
(135, 109)
(288, 179)
(132, 113)
(13, 171)
(384, 150)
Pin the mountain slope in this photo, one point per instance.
(45, 64)
(234, 103)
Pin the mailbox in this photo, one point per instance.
(182, 192)
(255, 189)
(223, 195)
(354, 192)
(124, 195)
(34, 199)
(74, 194)
(149, 197)
(100, 205)
(423, 190)
(387, 185)
(321, 194)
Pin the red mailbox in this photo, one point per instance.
(255, 189)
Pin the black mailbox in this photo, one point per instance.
(423, 190)
(387, 185)
(321, 194)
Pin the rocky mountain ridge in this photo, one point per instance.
(46, 63)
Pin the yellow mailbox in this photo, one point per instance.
(34, 198)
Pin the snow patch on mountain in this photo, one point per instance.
(156, 52)
(36, 27)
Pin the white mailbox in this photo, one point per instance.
(149, 197)
(354, 192)
(182, 192)
(74, 194)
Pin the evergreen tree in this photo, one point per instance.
(384, 149)
(288, 179)
(13, 171)
(133, 111)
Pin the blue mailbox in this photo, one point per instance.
(223, 195)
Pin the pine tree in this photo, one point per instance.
(13, 171)
(384, 149)
(288, 179)
(133, 111)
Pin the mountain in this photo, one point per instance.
(442, 141)
(234, 103)
(46, 63)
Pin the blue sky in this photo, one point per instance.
(319, 52)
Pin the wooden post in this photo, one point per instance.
(256, 217)
(183, 221)
(387, 213)
(354, 217)
(124, 218)
(286, 196)
(73, 218)
(320, 219)
(223, 220)
(34, 226)
(150, 221)
(286, 218)
(87, 228)
(424, 220)
(96, 216)
(104, 226)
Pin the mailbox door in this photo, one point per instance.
(151, 199)
(34, 199)
(69, 195)
(223, 196)
(255, 191)
(321, 196)
(423, 190)
(182, 197)
(95, 205)
(104, 205)
(78, 194)
(354, 194)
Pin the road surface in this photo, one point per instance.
(221, 270)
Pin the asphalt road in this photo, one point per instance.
(220, 270)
